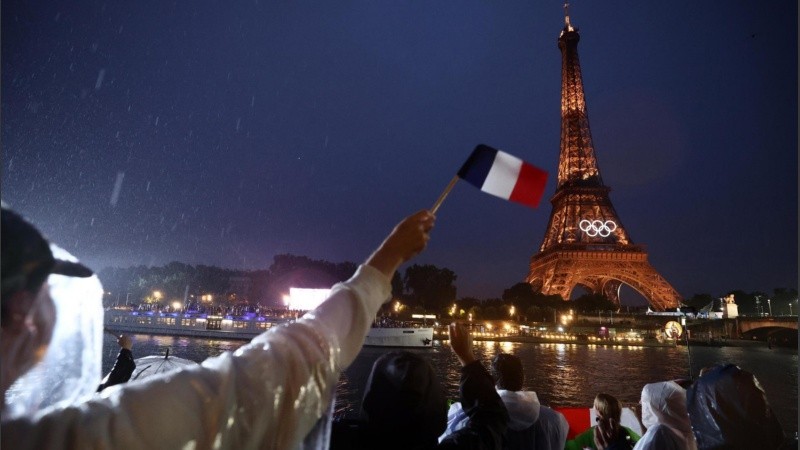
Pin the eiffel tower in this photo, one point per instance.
(585, 243)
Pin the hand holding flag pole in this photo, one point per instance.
(500, 174)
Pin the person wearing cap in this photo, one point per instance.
(27, 310)
(404, 405)
(275, 392)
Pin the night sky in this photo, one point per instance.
(224, 133)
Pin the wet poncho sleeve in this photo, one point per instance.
(268, 394)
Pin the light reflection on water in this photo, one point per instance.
(561, 374)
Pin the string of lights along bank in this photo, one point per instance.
(585, 243)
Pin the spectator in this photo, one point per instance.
(665, 417)
(404, 405)
(729, 410)
(270, 393)
(608, 434)
(123, 367)
(531, 425)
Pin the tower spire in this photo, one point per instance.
(567, 24)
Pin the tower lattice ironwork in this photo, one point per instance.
(585, 243)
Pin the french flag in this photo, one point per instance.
(503, 175)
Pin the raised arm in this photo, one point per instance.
(268, 394)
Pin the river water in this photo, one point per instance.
(561, 374)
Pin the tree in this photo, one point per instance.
(521, 295)
(430, 287)
(592, 303)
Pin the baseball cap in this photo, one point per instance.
(27, 260)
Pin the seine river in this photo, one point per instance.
(561, 374)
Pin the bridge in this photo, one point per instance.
(747, 324)
(781, 330)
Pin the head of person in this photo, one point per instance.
(27, 306)
(507, 372)
(608, 407)
(664, 403)
(404, 405)
(729, 409)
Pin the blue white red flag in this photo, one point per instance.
(503, 175)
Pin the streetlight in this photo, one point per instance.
(769, 304)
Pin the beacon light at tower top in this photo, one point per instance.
(304, 299)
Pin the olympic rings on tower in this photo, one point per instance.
(597, 227)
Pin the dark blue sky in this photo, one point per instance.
(233, 131)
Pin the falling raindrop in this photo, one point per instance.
(238, 124)
(100, 76)
(148, 187)
(92, 224)
(157, 117)
(117, 188)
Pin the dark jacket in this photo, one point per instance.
(487, 413)
(729, 410)
(122, 370)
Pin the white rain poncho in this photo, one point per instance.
(70, 369)
(270, 393)
(665, 417)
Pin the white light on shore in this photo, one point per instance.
(306, 299)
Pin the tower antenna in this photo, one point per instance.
(567, 24)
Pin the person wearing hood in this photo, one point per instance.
(275, 392)
(665, 417)
(608, 434)
(405, 407)
(729, 410)
(531, 425)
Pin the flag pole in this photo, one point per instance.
(444, 195)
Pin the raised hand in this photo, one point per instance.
(461, 341)
(407, 240)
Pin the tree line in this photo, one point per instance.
(419, 288)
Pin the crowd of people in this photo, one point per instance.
(278, 390)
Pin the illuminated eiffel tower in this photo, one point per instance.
(585, 243)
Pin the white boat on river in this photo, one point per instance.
(244, 327)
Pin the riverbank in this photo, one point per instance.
(599, 342)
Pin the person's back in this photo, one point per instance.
(404, 406)
(550, 430)
(531, 425)
(665, 416)
(729, 409)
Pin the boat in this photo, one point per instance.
(191, 323)
(243, 327)
(421, 337)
